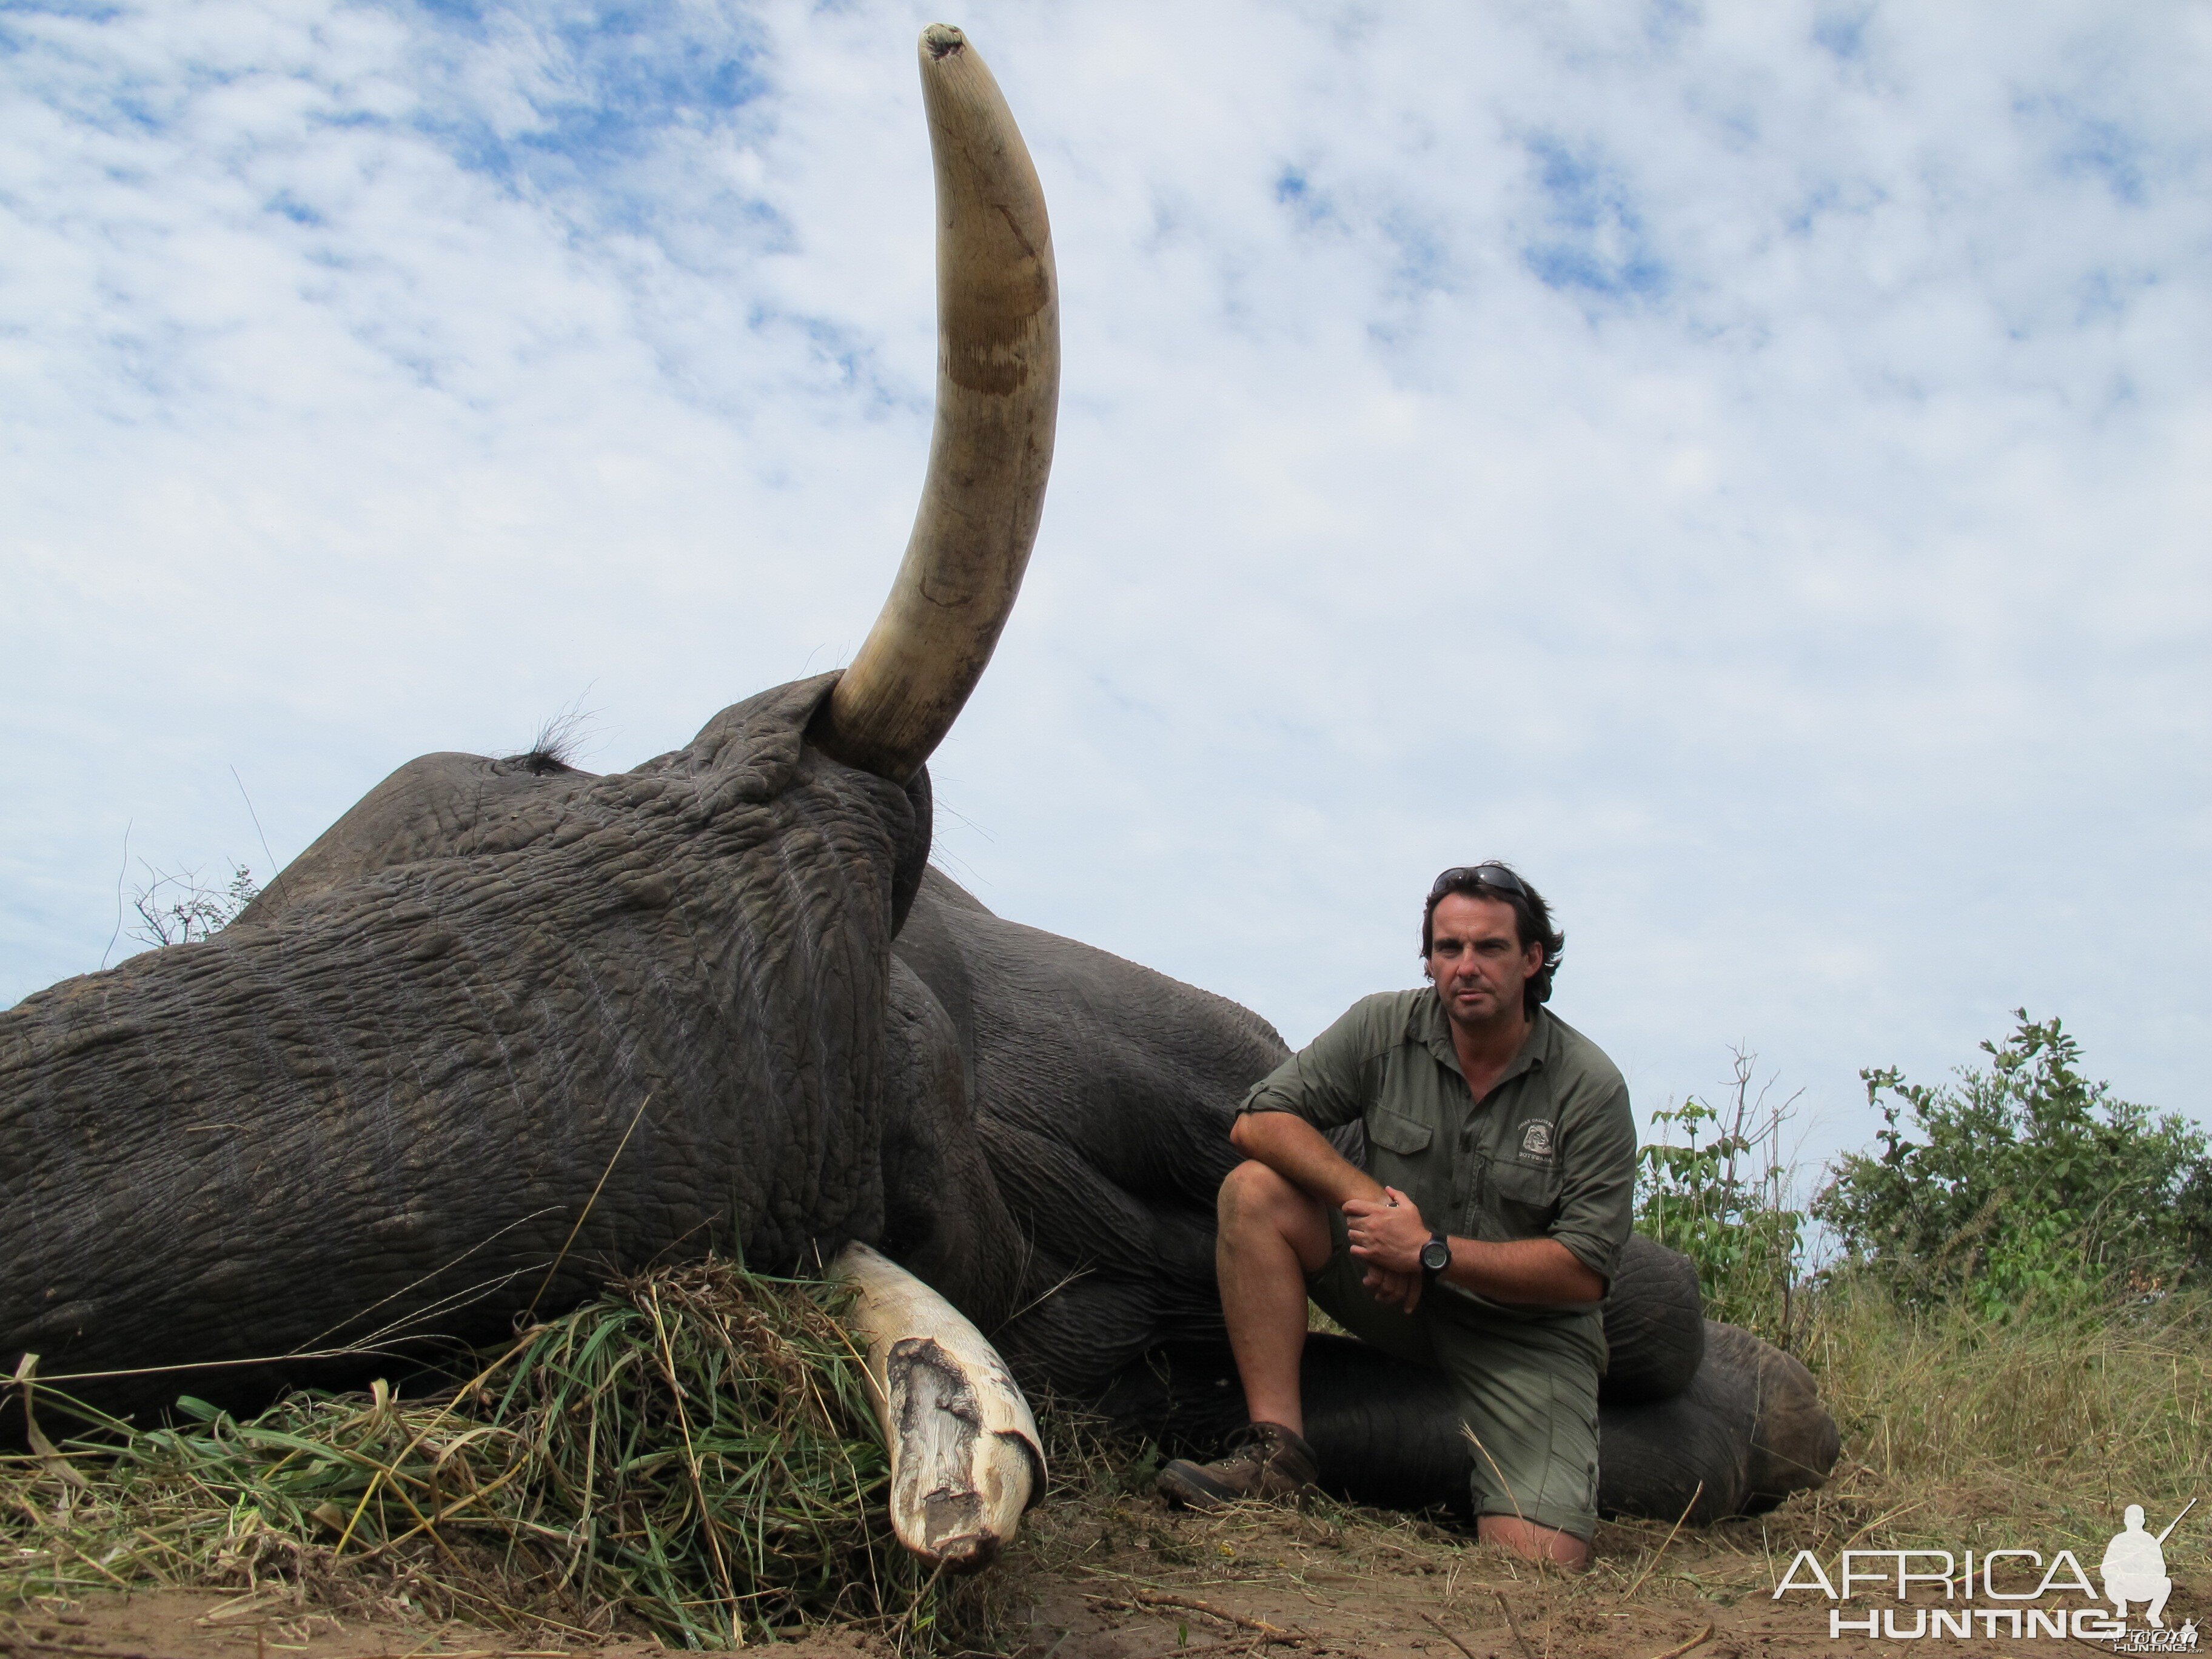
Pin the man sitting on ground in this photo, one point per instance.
(1479, 1239)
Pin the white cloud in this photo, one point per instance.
(1748, 464)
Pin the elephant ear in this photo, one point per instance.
(432, 807)
(1655, 1325)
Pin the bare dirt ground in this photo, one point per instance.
(1363, 1583)
(1123, 1576)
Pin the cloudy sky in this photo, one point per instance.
(1749, 465)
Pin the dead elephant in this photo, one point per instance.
(506, 1026)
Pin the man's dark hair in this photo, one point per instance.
(1532, 920)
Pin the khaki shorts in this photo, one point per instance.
(1526, 1390)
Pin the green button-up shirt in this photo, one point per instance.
(1549, 1152)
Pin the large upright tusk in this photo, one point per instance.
(964, 1453)
(998, 395)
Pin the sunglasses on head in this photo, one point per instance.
(1461, 876)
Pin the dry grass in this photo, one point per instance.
(1360, 1580)
(569, 1486)
(693, 1453)
(1960, 1429)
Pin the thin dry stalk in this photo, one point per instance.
(1648, 1566)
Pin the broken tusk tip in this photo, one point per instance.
(943, 40)
(970, 1553)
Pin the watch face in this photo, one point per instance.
(1435, 1256)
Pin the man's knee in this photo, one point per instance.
(1256, 1200)
(1532, 1542)
(1254, 1193)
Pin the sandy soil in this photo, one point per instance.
(1370, 1586)
(1127, 1579)
(189, 1625)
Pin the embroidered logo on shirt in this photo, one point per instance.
(1536, 1139)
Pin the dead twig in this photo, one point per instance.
(1259, 1627)
(1681, 1648)
(1447, 1634)
(1513, 1626)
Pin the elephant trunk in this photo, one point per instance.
(998, 395)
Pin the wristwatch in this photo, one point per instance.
(1436, 1256)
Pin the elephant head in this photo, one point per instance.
(507, 1025)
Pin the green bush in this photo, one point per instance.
(2021, 1183)
(1722, 1200)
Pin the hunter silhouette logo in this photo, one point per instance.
(1990, 1596)
(2134, 1569)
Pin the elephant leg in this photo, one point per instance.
(1655, 1325)
(1747, 1432)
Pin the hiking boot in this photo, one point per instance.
(1265, 1460)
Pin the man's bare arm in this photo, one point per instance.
(1302, 1155)
(1540, 1271)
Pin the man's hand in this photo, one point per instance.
(1387, 1232)
(1401, 1291)
(1388, 1235)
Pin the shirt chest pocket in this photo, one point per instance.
(1527, 1196)
(1394, 1131)
(1398, 1154)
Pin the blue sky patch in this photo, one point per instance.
(291, 207)
(1594, 240)
(2108, 152)
(620, 81)
(1304, 201)
(1840, 31)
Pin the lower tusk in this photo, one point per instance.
(964, 1453)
